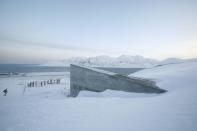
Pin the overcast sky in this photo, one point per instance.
(34, 31)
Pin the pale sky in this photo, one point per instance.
(34, 31)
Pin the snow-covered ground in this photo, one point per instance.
(48, 108)
(17, 84)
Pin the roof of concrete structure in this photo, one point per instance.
(137, 79)
(96, 70)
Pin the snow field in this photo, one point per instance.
(175, 110)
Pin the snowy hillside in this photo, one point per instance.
(172, 76)
(47, 108)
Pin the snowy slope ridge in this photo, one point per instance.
(172, 76)
(171, 61)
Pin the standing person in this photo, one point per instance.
(32, 83)
(41, 83)
(28, 84)
(5, 92)
(51, 81)
(58, 81)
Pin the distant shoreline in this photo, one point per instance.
(5, 69)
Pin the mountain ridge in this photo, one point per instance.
(126, 61)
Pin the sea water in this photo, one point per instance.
(29, 68)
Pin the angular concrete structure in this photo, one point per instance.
(92, 79)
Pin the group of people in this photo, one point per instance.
(43, 83)
(36, 84)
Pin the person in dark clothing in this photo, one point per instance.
(58, 81)
(30, 84)
(51, 81)
(5, 92)
(33, 84)
(41, 83)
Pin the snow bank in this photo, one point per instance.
(113, 93)
(173, 76)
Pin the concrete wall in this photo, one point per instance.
(85, 78)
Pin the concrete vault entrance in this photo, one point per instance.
(97, 80)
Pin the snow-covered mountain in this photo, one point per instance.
(121, 61)
(135, 61)
(106, 61)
